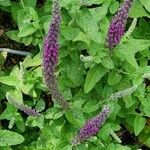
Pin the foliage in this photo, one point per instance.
(86, 82)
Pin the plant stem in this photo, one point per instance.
(22, 3)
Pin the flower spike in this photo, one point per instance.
(21, 106)
(50, 55)
(117, 26)
(92, 126)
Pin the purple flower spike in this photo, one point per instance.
(117, 26)
(26, 109)
(92, 126)
(50, 55)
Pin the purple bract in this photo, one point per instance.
(50, 55)
(92, 126)
(117, 26)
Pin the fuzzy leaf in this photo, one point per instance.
(139, 124)
(93, 76)
(9, 138)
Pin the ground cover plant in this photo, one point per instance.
(74, 74)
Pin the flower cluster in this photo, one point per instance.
(92, 126)
(50, 55)
(26, 109)
(117, 26)
(123, 93)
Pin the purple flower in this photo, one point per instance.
(50, 55)
(92, 126)
(117, 26)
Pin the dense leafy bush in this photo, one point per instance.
(88, 76)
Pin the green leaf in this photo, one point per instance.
(128, 48)
(9, 80)
(14, 9)
(134, 45)
(27, 30)
(9, 112)
(114, 7)
(35, 122)
(68, 147)
(98, 52)
(147, 110)
(117, 147)
(70, 33)
(65, 3)
(9, 138)
(146, 4)
(104, 27)
(91, 106)
(107, 91)
(13, 34)
(75, 71)
(105, 132)
(5, 148)
(128, 56)
(53, 113)
(87, 2)
(14, 95)
(40, 105)
(93, 76)
(95, 36)
(5, 2)
(129, 101)
(29, 3)
(146, 105)
(64, 89)
(71, 118)
(142, 31)
(82, 147)
(27, 17)
(114, 78)
(90, 28)
(79, 102)
(137, 10)
(75, 117)
(107, 62)
(27, 41)
(32, 62)
(82, 37)
(19, 122)
(139, 124)
(2, 59)
(100, 12)
(83, 19)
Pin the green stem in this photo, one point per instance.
(22, 3)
